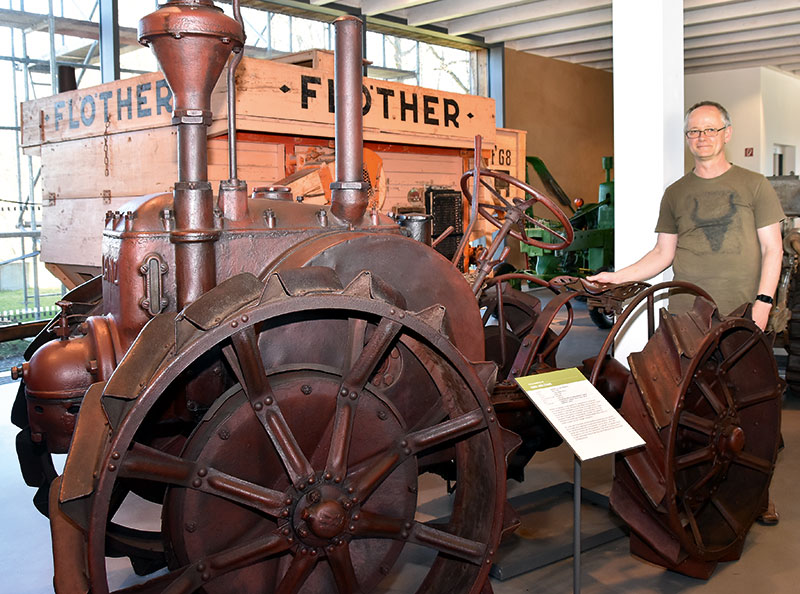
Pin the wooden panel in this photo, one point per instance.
(274, 97)
(73, 230)
(407, 171)
(145, 162)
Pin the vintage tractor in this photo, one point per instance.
(273, 378)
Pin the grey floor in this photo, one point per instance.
(770, 562)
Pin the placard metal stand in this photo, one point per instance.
(588, 424)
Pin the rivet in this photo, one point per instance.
(352, 527)
(311, 480)
(112, 467)
(202, 472)
(356, 517)
(328, 476)
(190, 526)
(196, 483)
(407, 451)
(285, 532)
(404, 534)
(206, 576)
(288, 501)
(407, 525)
(350, 490)
(245, 318)
(268, 401)
(403, 443)
(115, 456)
(306, 389)
(337, 479)
(234, 324)
(353, 395)
(258, 406)
(285, 513)
(382, 415)
(392, 311)
(344, 391)
(201, 566)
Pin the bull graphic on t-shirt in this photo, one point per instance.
(714, 227)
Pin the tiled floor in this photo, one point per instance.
(768, 565)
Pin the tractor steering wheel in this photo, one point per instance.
(518, 208)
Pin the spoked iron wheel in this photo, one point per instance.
(302, 477)
(706, 399)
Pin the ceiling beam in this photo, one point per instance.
(766, 55)
(738, 10)
(742, 48)
(583, 47)
(789, 17)
(534, 11)
(561, 38)
(444, 10)
(742, 36)
(373, 7)
(563, 23)
(734, 65)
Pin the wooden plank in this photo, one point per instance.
(144, 162)
(275, 97)
(136, 103)
(74, 230)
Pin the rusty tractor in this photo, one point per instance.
(274, 378)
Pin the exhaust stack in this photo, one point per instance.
(192, 40)
(349, 192)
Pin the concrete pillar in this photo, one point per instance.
(648, 131)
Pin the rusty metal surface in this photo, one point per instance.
(707, 400)
(331, 484)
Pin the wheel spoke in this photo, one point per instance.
(354, 380)
(731, 359)
(698, 538)
(371, 473)
(729, 518)
(372, 525)
(696, 422)
(757, 398)
(265, 405)
(495, 193)
(713, 398)
(295, 577)
(343, 571)
(192, 577)
(146, 463)
(753, 462)
(684, 461)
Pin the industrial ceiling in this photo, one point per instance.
(718, 34)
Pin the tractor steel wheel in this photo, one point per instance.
(303, 476)
(705, 396)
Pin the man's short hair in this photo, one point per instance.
(726, 118)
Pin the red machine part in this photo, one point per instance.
(332, 499)
(705, 396)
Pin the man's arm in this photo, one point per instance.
(771, 243)
(653, 262)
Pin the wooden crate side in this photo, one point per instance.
(73, 230)
(136, 103)
(283, 98)
(408, 171)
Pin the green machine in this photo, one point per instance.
(592, 250)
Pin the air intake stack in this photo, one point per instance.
(192, 40)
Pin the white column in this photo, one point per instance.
(648, 132)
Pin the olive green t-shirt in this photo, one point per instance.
(716, 222)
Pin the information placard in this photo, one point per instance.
(580, 414)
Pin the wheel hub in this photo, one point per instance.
(322, 516)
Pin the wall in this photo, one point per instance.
(567, 111)
(781, 98)
(763, 106)
(739, 91)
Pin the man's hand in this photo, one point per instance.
(604, 277)
(761, 313)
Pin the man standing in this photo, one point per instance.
(718, 226)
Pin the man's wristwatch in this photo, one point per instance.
(764, 298)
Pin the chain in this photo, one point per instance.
(105, 143)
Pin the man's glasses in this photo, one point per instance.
(710, 132)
